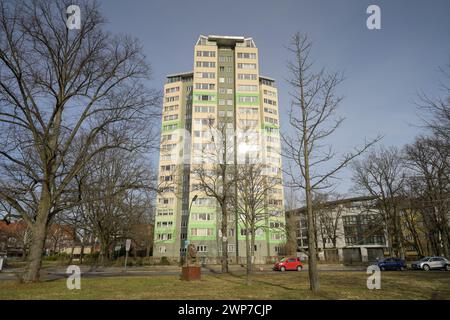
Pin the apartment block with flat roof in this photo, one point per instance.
(224, 90)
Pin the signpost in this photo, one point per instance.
(127, 248)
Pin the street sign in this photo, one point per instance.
(127, 244)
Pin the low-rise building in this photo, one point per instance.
(348, 230)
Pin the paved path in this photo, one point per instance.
(53, 273)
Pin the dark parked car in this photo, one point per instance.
(428, 263)
(391, 264)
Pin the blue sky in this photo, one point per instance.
(384, 69)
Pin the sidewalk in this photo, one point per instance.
(216, 268)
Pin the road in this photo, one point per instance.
(55, 273)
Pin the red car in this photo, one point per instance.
(289, 263)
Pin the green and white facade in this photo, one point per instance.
(225, 86)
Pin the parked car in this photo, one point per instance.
(289, 263)
(428, 263)
(391, 264)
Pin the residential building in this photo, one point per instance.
(224, 90)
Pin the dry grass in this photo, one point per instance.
(289, 285)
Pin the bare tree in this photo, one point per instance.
(382, 175)
(254, 188)
(427, 158)
(436, 111)
(58, 86)
(213, 173)
(313, 118)
(328, 217)
(114, 196)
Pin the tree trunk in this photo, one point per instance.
(38, 236)
(312, 255)
(312, 259)
(81, 253)
(71, 253)
(224, 239)
(248, 258)
(36, 250)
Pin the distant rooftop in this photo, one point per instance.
(230, 41)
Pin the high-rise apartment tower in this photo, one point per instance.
(224, 91)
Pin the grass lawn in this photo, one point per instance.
(288, 285)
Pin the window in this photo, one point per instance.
(222, 80)
(205, 86)
(201, 232)
(275, 202)
(202, 248)
(277, 224)
(204, 97)
(246, 55)
(246, 87)
(231, 248)
(229, 102)
(222, 69)
(171, 90)
(270, 120)
(169, 167)
(164, 236)
(248, 110)
(208, 109)
(171, 108)
(162, 249)
(168, 147)
(167, 157)
(165, 200)
(246, 76)
(206, 64)
(206, 53)
(248, 123)
(270, 110)
(222, 90)
(269, 101)
(171, 99)
(167, 137)
(204, 202)
(164, 224)
(270, 93)
(204, 122)
(201, 216)
(205, 75)
(248, 99)
(229, 91)
(225, 58)
(251, 66)
(166, 212)
(171, 117)
(277, 236)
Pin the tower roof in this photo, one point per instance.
(226, 41)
